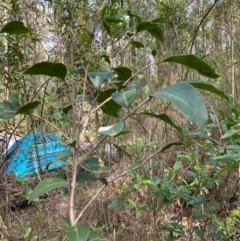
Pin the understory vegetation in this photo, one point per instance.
(146, 96)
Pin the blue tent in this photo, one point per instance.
(33, 153)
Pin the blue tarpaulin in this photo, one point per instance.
(33, 153)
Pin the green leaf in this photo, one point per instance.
(10, 106)
(110, 108)
(106, 58)
(137, 44)
(47, 68)
(123, 73)
(99, 78)
(78, 233)
(187, 100)
(67, 109)
(146, 90)
(177, 165)
(92, 165)
(170, 145)
(72, 144)
(152, 28)
(133, 204)
(46, 186)
(154, 52)
(84, 176)
(107, 28)
(121, 133)
(15, 27)
(123, 151)
(193, 62)
(111, 130)
(28, 107)
(14, 97)
(65, 156)
(165, 118)
(209, 87)
(115, 19)
(228, 158)
(230, 134)
(124, 98)
(93, 237)
(132, 15)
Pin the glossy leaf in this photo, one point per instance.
(111, 130)
(124, 98)
(152, 28)
(208, 87)
(123, 73)
(137, 44)
(28, 107)
(110, 108)
(47, 68)
(14, 97)
(79, 232)
(187, 100)
(92, 165)
(15, 27)
(165, 118)
(193, 62)
(7, 110)
(46, 186)
(99, 78)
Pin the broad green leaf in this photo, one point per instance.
(124, 98)
(14, 97)
(187, 100)
(137, 44)
(92, 165)
(123, 73)
(78, 233)
(46, 186)
(110, 108)
(15, 27)
(233, 147)
(111, 130)
(65, 156)
(10, 106)
(132, 203)
(207, 86)
(152, 28)
(28, 107)
(193, 62)
(99, 78)
(84, 176)
(177, 165)
(228, 158)
(115, 19)
(6, 115)
(230, 134)
(165, 118)
(154, 52)
(47, 68)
